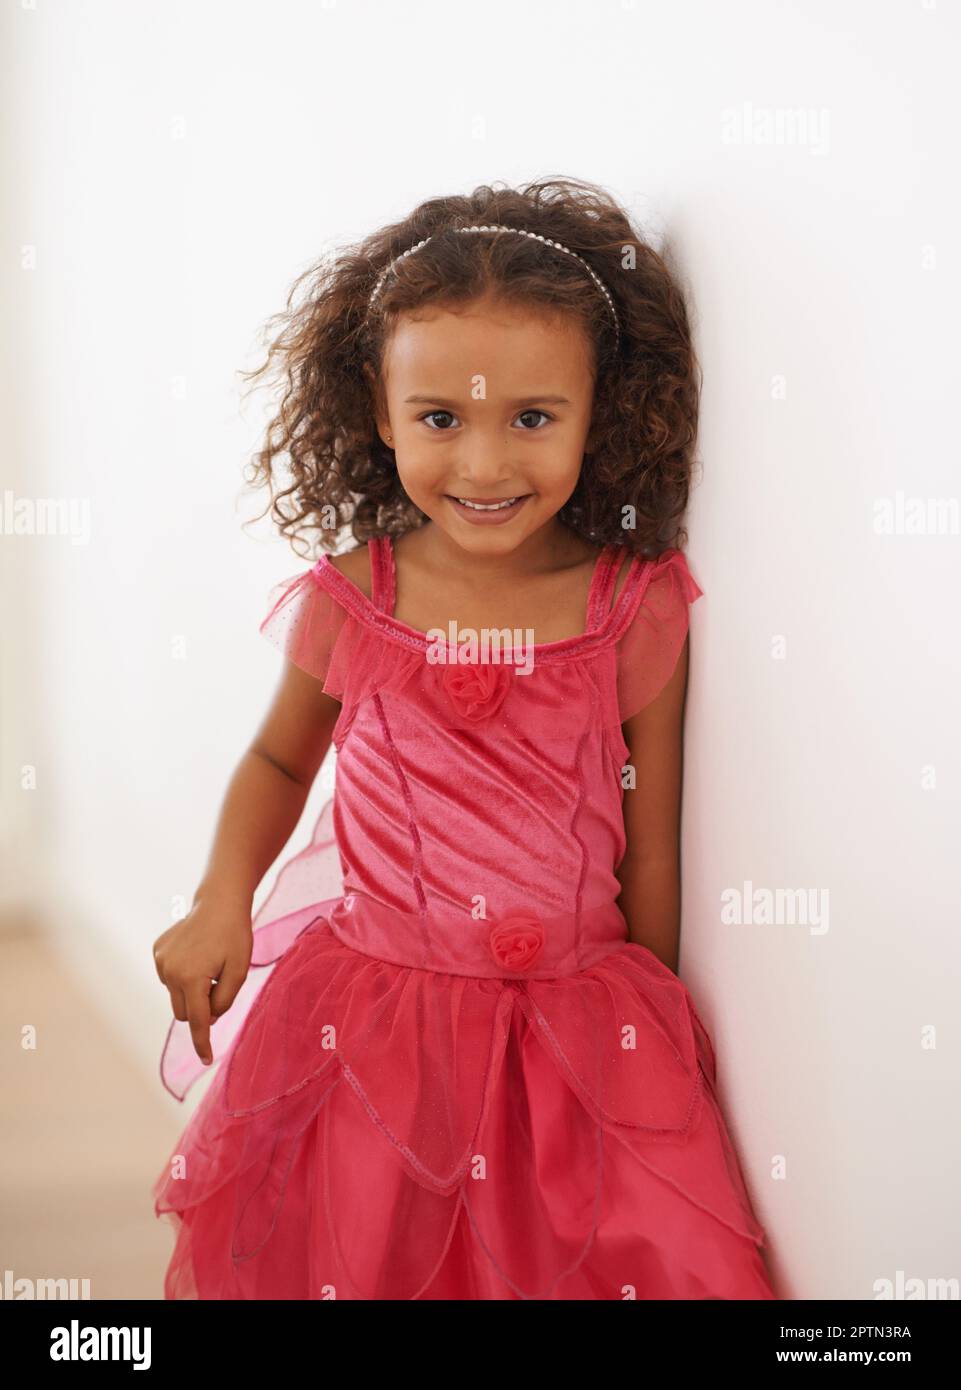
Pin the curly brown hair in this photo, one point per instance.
(332, 345)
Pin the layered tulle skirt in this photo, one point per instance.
(374, 1131)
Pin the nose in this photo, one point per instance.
(484, 458)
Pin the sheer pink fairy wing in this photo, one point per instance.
(648, 650)
(304, 888)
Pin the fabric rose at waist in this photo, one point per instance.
(516, 943)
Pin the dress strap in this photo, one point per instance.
(602, 585)
(383, 580)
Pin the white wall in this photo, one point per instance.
(174, 165)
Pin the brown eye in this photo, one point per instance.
(447, 413)
(533, 412)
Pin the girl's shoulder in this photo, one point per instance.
(355, 565)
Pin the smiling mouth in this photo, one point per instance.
(493, 505)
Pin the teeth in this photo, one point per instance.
(487, 506)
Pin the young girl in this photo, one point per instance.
(471, 1071)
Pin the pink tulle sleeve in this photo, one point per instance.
(306, 622)
(648, 651)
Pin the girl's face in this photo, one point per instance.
(488, 404)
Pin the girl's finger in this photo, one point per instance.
(197, 996)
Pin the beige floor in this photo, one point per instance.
(81, 1137)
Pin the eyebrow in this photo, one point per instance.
(524, 400)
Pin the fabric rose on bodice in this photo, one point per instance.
(476, 689)
(516, 941)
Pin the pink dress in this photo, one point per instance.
(449, 1074)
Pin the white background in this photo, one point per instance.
(172, 166)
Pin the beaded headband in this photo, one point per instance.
(517, 231)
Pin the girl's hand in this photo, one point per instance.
(203, 960)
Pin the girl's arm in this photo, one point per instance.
(649, 873)
(268, 790)
(262, 805)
